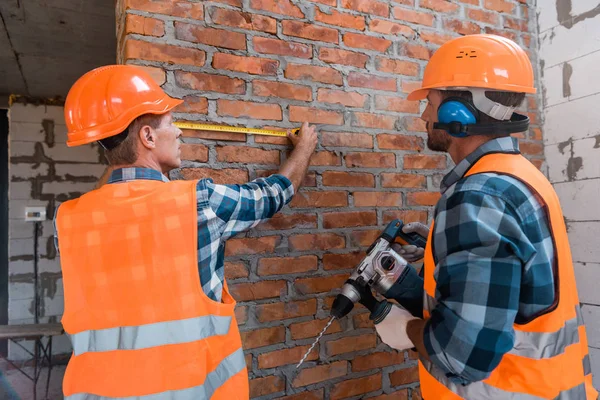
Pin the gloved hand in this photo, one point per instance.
(392, 330)
(412, 253)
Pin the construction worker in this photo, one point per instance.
(500, 314)
(146, 304)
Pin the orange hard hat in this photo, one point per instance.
(104, 101)
(478, 61)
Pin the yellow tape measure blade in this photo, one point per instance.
(228, 128)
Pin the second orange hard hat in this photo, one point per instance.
(478, 61)
(104, 101)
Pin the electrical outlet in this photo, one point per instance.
(33, 214)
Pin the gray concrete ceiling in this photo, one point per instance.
(45, 45)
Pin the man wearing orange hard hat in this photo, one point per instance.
(500, 315)
(146, 304)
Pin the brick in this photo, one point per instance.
(305, 199)
(354, 387)
(260, 245)
(285, 310)
(358, 79)
(289, 221)
(137, 49)
(325, 158)
(390, 28)
(362, 321)
(404, 376)
(272, 139)
(234, 270)
(341, 178)
(346, 139)
(399, 67)
(350, 344)
(516, 24)
(464, 28)
(193, 104)
(436, 38)
(349, 219)
(235, 108)
(397, 104)
(210, 36)
(252, 291)
(158, 74)
(342, 19)
(415, 17)
(211, 135)
(422, 198)
(370, 7)
(319, 284)
(414, 124)
(309, 180)
(531, 148)
(364, 238)
(267, 385)
(377, 360)
(361, 41)
(225, 176)
(243, 154)
(234, 3)
(250, 65)
(210, 83)
(313, 73)
(283, 90)
(286, 265)
(326, 2)
(309, 376)
(401, 394)
(415, 51)
(439, 5)
(499, 5)
(144, 26)
(345, 57)
(402, 180)
(309, 31)
(315, 115)
(348, 99)
(371, 160)
(194, 152)
(279, 358)
(238, 19)
(314, 395)
(283, 7)
(536, 134)
(397, 141)
(377, 121)
(342, 261)
(409, 86)
(416, 394)
(424, 161)
(281, 47)
(377, 199)
(318, 241)
(263, 337)
(241, 314)
(405, 215)
(308, 329)
(182, 9)
(538, 163)
(501, 32)
(483, 16)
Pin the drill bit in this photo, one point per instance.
(315, 343)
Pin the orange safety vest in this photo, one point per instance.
(549, 359)
(139, 322)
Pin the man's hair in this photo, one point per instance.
(121, 149)
(510, 99)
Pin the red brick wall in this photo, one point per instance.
(345, 65)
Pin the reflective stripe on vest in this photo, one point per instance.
(229, 367)
(150, 335)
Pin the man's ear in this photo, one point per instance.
(147, 137)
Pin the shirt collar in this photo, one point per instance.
(499, 145)
(133, 173)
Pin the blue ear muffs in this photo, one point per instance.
(454, 115)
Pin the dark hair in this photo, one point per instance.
(510, 99)
(121, 149)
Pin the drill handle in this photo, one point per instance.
(394, 231)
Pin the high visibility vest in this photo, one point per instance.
(549, 359)
(140, 325)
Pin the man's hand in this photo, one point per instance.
(304, 147)
(412, 253)
(306, 139)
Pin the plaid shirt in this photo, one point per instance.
(494, 255)
(223, 211)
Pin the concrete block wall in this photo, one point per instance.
(43, 172)
(572, 139)
(345, 65)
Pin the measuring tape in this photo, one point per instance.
(228, 128)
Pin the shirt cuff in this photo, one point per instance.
(436, 354)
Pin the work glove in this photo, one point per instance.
(412, 253)
(392, 328)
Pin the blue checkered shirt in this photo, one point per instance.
(494, 255)
(223, 212)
